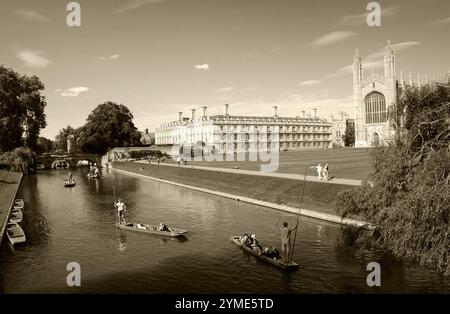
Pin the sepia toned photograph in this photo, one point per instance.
(208, 147)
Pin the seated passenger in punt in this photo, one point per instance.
(163, 227)
(141, 226)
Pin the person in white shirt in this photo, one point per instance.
(319, 170)
(121, 208)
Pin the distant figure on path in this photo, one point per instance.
(319, 170)
(325, 172)
(286, 240)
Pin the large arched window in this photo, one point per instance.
(375, 108)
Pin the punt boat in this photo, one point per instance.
(149, 229)
(15, 233)
(278, 262)
(16, 216)
(18, 203)
(69, 183)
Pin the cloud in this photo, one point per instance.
(348, 69)
(33, 58)
(225, 89)
(361, 19)
(201, 66)
(333, 37)
(310, 83)
(443, 21)
(135, 4)
(30, 15)
(72, 92)
(110, 57)
(396, 47)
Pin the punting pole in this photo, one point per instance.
(298, 217)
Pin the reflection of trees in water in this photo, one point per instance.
(35, 224)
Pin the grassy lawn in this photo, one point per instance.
(345, 163)
(318, 196)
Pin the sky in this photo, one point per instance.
(158, 57)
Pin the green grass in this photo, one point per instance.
(318, 196)
(344, 163)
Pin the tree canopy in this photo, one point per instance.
(109, 125)
(410, 197)
(21, 109)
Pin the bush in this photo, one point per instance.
(21, 159)
(141, 154)
(409, 201)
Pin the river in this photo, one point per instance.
(76, 224)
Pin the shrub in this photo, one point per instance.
(21, 159)
(409, 201)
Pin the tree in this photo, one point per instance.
(349, 136)
(409, 199)
(63, 135)
(44, 145)
(109, 125)
(21, 109)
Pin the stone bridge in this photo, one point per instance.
(71, 159)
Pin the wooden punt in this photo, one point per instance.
(16, 216)
(150, 229)
(18, 203)
(276, 262)
(15, 233)
(69, 183)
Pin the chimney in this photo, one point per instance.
(275, 111)
(204, 111)
(314, 113)
(146, 131)
(180, 116)
(225, 109)
(303, 114)
(193, 114)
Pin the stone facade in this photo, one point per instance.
(373, 96)
(246, 133)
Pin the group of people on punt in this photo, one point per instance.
(272, 252)
(121, 209)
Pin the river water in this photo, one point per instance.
(66, 225)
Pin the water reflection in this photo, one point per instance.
(77, 224)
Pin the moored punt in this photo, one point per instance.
(18, 203)
(40, 166)
(69, 183)
(276, 262)
(152, 230)
(15, 233)
(16, 216)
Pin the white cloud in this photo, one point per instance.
(33, 58)
(136, 4)
(110, 57)
(361, 19)
(396, 47)
(73, 91)
(30, 15)
(201, 66)
(333, 37)
(226, 89)
(348, 69)
(443, 21)
(310, 83)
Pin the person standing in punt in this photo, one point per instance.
(286, 233)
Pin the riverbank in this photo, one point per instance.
(9, 185)
(279, 193)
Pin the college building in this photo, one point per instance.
(228, 132)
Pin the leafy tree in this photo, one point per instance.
(21, 109)
(109, 125)
(349, 136)
(63, 135)
(44, 145)
(410, 197)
